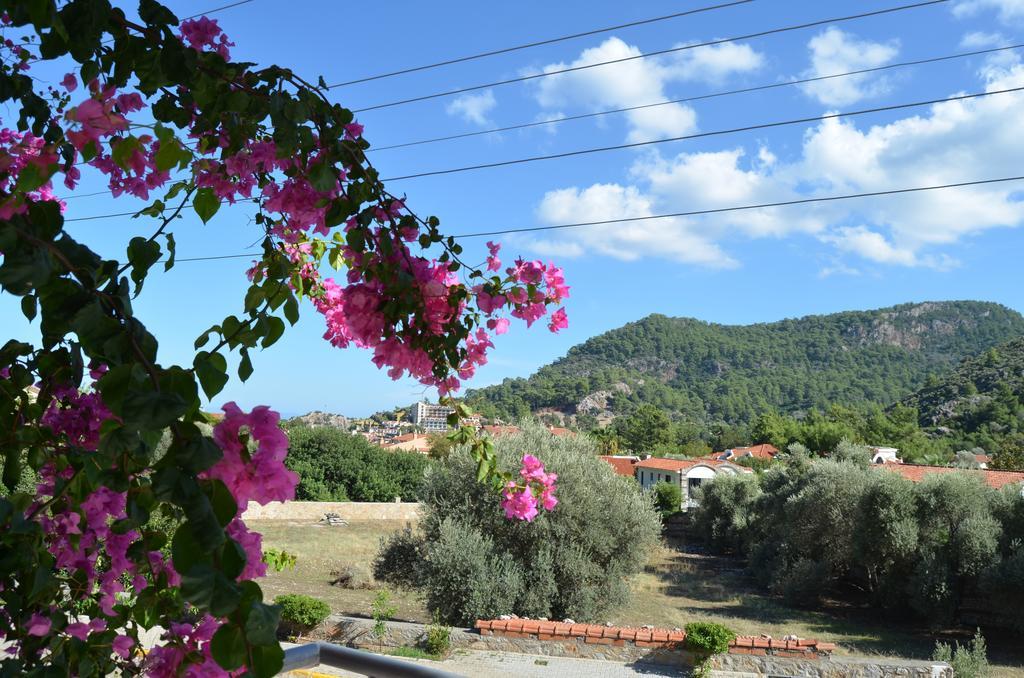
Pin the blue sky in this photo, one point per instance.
(737, 268)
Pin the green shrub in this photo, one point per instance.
(383, 611)
(724, 510)
(438, 640)
(338, 466)
(968, 661)
(707, 639)
(279, 560)
(668, 498)
(470, 562)
(301, 612)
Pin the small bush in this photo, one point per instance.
(968, 661)
(438, 640)
(279, 560)
(300, 612)
(707, 639)
(668, 498)
(382, 612)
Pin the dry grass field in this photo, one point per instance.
(679, 585)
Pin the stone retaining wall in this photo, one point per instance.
(748, 657)
(349, 510)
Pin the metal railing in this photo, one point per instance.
(366, 663)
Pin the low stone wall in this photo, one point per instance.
(748, 657)
(349, 510)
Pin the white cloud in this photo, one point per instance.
(638, 82)
(981, 40)
(665, 238)
(834, 51)
(947, 143)
(473, 107)
(714, 63)
(1009, 10)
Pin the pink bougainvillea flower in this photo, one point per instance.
(122, 646)
(38, 625)
(70, 82)
(558, 321)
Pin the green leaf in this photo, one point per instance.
(170, 154)
(323, 177)
(186, 552)
(205, 204)
(225, 507)
(275, 328)
(228, 646)
(291, 309)
(262, 622)
(152, 409)
(212, 370)
(170, 251)
(142, 254)
(244, 366)
(268, 660)
(28, 306)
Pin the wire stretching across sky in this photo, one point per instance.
(709, 43)
(734, 130)
(538, 43)
(701, 97)
(700, 135)
(694, 213)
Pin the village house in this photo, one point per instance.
(884, 455)
(688, 474)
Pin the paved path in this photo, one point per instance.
(504, 664)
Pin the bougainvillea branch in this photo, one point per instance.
(99, 437)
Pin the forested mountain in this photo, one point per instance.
(981, 402)
(731, 373)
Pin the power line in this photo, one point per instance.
(700, 135)
(829, 116)
(219, 9)
(693, 213)
(744, 90)
(538, 43)
(709, 43)
(720, 210)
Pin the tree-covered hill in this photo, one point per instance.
(981, 402)
(731, 373)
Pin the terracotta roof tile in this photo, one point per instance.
(623, 466)
(917, 473)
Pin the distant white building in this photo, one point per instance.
(884, 455)
(687, 473)
(431, 417)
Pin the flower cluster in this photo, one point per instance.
(18, 152)
(536, 488)
(203, 33)
(180, 642)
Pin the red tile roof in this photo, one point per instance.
(623, 466)
(500, 430)
(917, 472)
(674, 465)
(559, 431)
(762, 451)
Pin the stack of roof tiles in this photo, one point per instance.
(645, 637)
